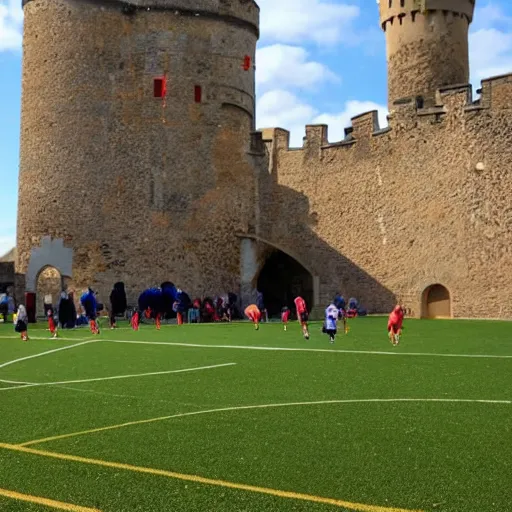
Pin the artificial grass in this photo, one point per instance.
(454, 457)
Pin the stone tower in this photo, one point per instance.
(136, 123)
(427, 45)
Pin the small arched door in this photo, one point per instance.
(436, 302)
(49, 286)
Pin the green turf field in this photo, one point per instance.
(223, 418)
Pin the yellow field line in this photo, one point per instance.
(45, 501)
(360, 507)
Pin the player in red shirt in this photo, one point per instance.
(253, 313)
(51, 323)
(285, 316)
(395, 321)
(302, 315)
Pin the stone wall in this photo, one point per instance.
(386, 213)
(6, 275)
(142, 189)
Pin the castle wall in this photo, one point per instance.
(140, 188)
(386, 213)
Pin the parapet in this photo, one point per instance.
(392, 11)
(245, 12)
(405, 115)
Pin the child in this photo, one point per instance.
(89, 304)
(253, 313)
(135, 321)
(395, 321)
(302, 315)
(51, 322)
(285, 315)
(118, 303)
(331, 317)
(22, 322)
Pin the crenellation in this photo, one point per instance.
(316, 137)
(365, 125)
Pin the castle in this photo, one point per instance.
(140, 162)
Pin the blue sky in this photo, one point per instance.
(318, 61)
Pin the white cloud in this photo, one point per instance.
(289, 66)
(299, 21)
(11, 21)
(281, 108)
(490, 43)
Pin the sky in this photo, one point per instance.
(318, 62)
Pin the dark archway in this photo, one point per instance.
(436, 302)
(281, 280)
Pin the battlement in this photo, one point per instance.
(236, 11)
(405, 116)
(392, 11)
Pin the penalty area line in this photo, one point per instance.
(40, 354)
(115, 377)
(45, 501)
(263, 406)
(299, 349)
(360, 507)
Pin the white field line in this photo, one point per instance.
(264, 406)
(298, 349)
(48, 338)
(115, 377)
(40, 354)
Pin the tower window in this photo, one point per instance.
(247, 63)
(402, 3)
(390, 3)
(198, 94)
(159, 87)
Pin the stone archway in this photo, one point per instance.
(281, 279)
(436, 302)
(49, 285)
(254, 255)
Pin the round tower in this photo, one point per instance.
(427, 45)
(136, 121)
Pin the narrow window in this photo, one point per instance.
(247, 63)
(198, 94)
(159, 87)
(402, 3)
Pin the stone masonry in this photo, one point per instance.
(145, 190)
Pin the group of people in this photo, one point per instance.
(334, 312)
(160, 302)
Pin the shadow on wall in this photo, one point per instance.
(285, 223)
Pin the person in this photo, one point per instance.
(302, 315)
(21, 325)
(51, 322)
(260, 303)
(339, 301)
(89, 305)
(331, 317)
(118, 303)
(253, 313)
(395, 324)
(66, 311)
(285, 315)
(4, 306)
